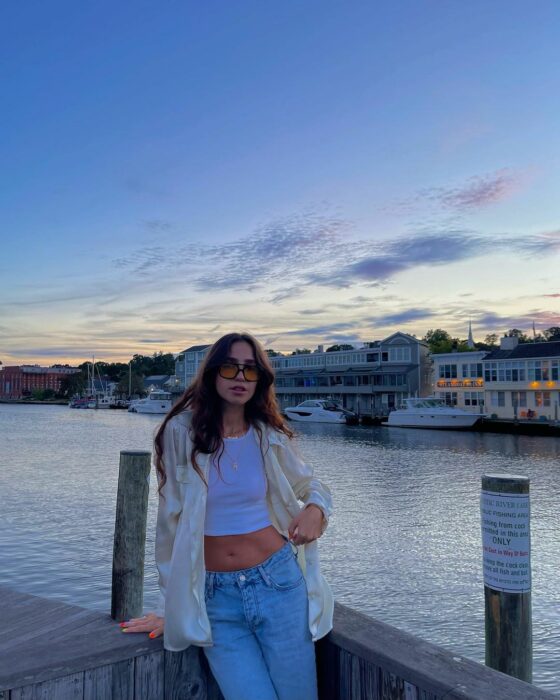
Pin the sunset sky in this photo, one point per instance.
(307, 170)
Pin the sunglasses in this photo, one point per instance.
(230, 370)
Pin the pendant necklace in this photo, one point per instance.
(235, 460)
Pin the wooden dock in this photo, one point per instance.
(55, 651)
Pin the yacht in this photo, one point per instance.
(431, 413)
(319, 411)
(156, 402)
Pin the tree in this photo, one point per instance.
(516, 333)
(272, 353)
(302, 351)
(336, 348)
(491, 340)
(72, 384)
(439, 341)
(552, 333)
(136, 385)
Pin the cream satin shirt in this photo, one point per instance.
(179, 545)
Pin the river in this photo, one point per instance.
(404, 544)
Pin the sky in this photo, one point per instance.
(310, 171)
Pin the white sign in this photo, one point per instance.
(506, 541)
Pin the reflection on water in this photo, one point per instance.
(403, 544)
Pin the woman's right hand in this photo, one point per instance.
(151, 623)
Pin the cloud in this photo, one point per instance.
(543, 319)
(553, 296)
(153, 340)
(403, 317)
(478, 191)
(475, 193)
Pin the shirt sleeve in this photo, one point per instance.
(307, 488)
(169, 511)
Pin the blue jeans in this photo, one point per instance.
(262, 645)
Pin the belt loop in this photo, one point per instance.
(266, 577)
(210, 582)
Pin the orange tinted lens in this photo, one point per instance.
(228, 371)
(251, 374)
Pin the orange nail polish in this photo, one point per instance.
(151, 635)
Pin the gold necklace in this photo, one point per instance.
(235, 461)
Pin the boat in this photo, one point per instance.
(431, 412)
(156, 402)
(319, 411)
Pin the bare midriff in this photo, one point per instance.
(233, 552)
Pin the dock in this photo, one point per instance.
(55, 651)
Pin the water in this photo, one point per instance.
(404, 543)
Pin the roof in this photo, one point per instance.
(526, 350)
(194, 348)
(156, 377)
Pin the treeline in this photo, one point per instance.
(441, 341)
(135, 370)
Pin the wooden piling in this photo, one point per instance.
(130, 535)
(507, 574)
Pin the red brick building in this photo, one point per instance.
(17, 382)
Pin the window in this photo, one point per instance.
(384, 357)
(519, 399)
(554, 370)
(448, 371)
(474, 398)
(399, 354)
(472, 370)
(450, 397)
(372, 357)
(498, 399)
(542, 399)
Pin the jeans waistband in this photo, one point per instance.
(251, 575)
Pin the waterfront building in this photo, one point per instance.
(156, 382)
(523, 380)
(19, 381)
(372, 379)
(459, 379)
(187, 364)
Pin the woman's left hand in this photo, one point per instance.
(307, 525)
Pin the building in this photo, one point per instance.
(19, 382)
(459, 378)
(372, 379)
(187, 364)
(523, 379)
(156, 382)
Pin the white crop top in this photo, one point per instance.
(236, 502)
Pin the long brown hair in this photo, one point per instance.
(203, 400)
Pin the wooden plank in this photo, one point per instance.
(149, 676)
(391, 686)
(425, 665)
(369, 679)
(49, 639)
(66, 688)
(110, 682)
(184, 675)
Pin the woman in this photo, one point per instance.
(230, 482)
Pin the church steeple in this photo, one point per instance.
(470, 340)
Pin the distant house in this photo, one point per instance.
(188, 362)
(156, 382)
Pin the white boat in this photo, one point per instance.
(431, 413)
(156, 402)
(319, 411)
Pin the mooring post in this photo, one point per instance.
(506, 545)
(130, 535)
